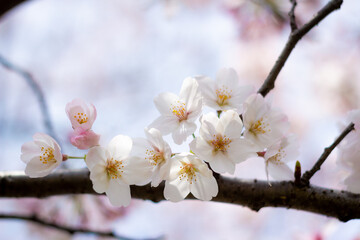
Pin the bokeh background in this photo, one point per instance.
(119, 54)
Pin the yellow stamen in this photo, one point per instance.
(179, 110)
(220, 143)
(276, 159)
(188, 172)
(47, 155)
(113, 168)
(223, 96)
(259, 127)
(81, 118)
(154, 156)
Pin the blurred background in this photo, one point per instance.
(119, 54)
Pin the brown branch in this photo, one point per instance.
(250, 193)
(7, 5)
(70, 230)
(308, 174)
(294, 37)
(35, 87)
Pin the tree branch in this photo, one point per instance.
(35, 87)
(293, 24)
(254, 194)
(7, 5)
(308, 174)
(70, 230)
(294, 37)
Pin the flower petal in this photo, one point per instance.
(189, 92)
(231, 123)
(176, 190)
(221, 163)
(209, 122)
(165, 101)
(118, 193)
(120, 147)
(99, 178)
(35, 168)
(352, 183)
(137, 171)
(280, 172)
(166, 124)
(95, 156)
(227, 77)
(204, 188)
(184, 130)
(207, 89)
(240, 150)
(29, 150)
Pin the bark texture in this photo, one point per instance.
(254, 194)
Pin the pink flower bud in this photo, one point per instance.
(84, 139)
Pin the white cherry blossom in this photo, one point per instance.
(263, 125)
(277, 155)
(41, 155)
(81, 114)
(220, 144)
(178, 113)
(156, 151)
(189, 174)
(224, 93)
(112, 170)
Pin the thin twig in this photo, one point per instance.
(70, 230)
(293, 24)
(254, 194)
(7, 5)
(308, 174)
(294, 37)
(35, 87)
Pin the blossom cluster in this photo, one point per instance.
(349, 152)
(243, 126)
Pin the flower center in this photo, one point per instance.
(220, 143)
(276, 159)
(179, 110)
(113, 168)
(81, 118)
(260, 127)
(223, 95)
(188, 172)
(47, 155)
(154, 156)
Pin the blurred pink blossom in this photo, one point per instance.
(84, 139)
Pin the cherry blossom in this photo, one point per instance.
(84, 139)
(112, 170)
(224, 93)
(263, 126)
(81, 114)
(220, 144)
(352, 182)
(155, 150)
(277, 155)
(178, 113)
(349, 152)
(189, 174)
(41, 155)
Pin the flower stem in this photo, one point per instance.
(71, 157)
